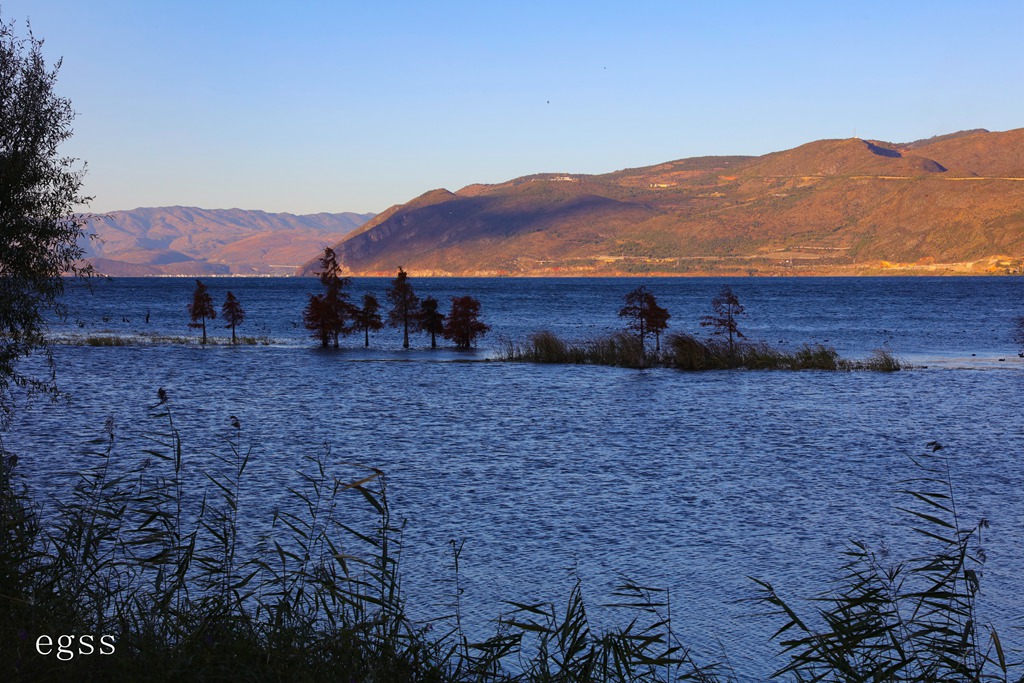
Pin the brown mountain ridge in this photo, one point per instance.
(949, 204)
(185, 240)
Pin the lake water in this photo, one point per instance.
(688, 481)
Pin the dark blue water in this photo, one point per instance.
(688, 481)
(927, 319)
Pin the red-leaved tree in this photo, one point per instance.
(404, 306)
(326, 315)
(233, 314)
(644, 316)
(431, 320)
(201, 308)
(462, 325)
(367, 318)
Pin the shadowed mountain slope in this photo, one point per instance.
(952, 203)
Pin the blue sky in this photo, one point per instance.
(312, 106)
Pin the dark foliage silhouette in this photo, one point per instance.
(39, 190)
(367, 318)
(327, 315)
(233, 314)
(201, 308)
(462, 325)
(644, 316)
(404, 306)
(431, 320)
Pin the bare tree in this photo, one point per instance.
(727, 308)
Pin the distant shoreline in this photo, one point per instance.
(864, 272)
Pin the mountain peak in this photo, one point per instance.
(841, 206)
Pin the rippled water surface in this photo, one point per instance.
(689, 481)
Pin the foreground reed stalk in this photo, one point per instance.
(144, 559)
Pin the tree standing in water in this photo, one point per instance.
(727, 307)
(201, 308)
(404, 305)
(368, 317)
(431, 320)
(462, 324)
(233, 314)
(657, 321)
(326, 315)
(644, 316)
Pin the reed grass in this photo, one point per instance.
(104, 340)
(619, 349)
(882, 360)
(911, 621)
(686, 352)
(817, 357)
(148, 549)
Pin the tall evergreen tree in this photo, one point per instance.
(367, 318)
(201, 308)
(327, 315)
(404, 306)
(232, 313)
(462, 325)
(431, 320)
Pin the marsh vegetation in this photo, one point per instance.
(687, 352)
(150, 552)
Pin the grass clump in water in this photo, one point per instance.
(686, 352)
(542, 347)
(105, 340)
(621, 349)
(817, 357)
(881, 360)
